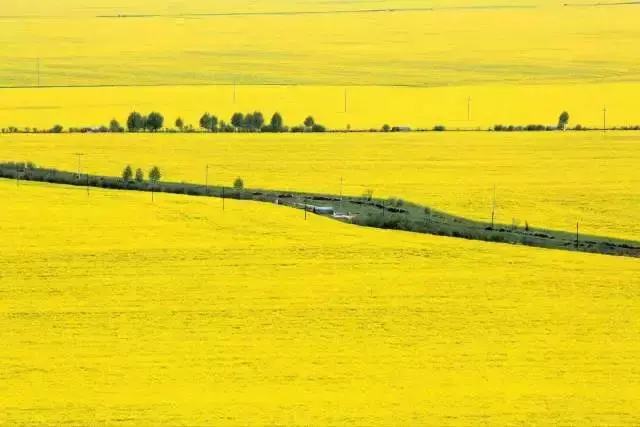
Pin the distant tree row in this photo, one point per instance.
(136, 122)
(252, 122)
(128, 175)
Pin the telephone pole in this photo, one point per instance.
(80, 156)
(341, 184)
(345, 100)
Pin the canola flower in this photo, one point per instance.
(117, 310)
(548, 180)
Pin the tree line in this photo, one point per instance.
(239, 122)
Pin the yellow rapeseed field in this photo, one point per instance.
(116, 310)
(547, 179)
(547, 43)
(119, 311)
(518, 65)
(367, 107)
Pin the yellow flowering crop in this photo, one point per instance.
(116, 310)
(546, 179)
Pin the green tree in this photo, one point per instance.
(238, 184)
(135, 122)
(277, 123)
(563, 120)
(207, 121)
(57, 129)
(257, 120)
(114, 126)
(309, 122)
(237, 120)
(180, 123)
(139, 175)
(248, 121)
(386, 128)
(154, 122)
(127, 174)
(155, 175)
(214, 122)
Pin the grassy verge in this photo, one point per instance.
(392, 214)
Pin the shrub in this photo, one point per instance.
(439, 128)
(57, 129)
(318, 128)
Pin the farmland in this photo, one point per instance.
(367, 106)
(119, 311)
(550, 180)
(420, 69)
(444, 47)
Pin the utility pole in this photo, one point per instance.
(604, 119)
(80, 156)
(341, 183)
(345, 100)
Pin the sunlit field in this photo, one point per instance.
(119, 310)
(518, 65)
(544, 44)
(547, 179)
(366, 107)
(116, 310)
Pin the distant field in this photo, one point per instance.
(118, 311)
(367, 107)
(523, 63)
(454, 46)
(548, 179)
